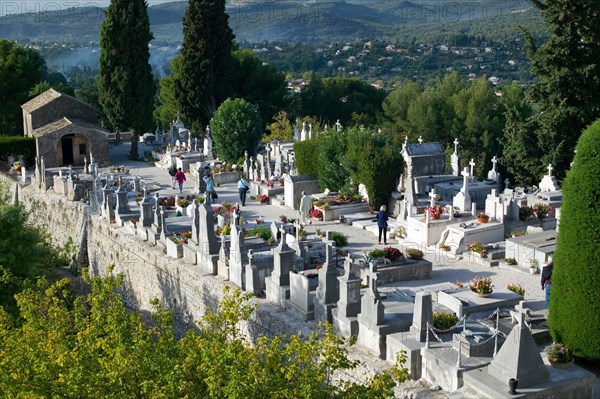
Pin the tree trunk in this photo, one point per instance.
(133, 154)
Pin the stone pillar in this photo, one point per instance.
(122, 206)
(146, 216)
(278, 284)
(422, 315)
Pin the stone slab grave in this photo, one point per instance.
(392, 226)
(467, 302)
(539, 246)
(379, 318)
(303, 286)
(359, 216)
(519, 358)
(335, 211)
(458, 236)
(403, 269)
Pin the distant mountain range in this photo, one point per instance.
(300, 21)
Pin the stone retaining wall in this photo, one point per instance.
(149, 273)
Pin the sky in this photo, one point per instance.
(24, 6)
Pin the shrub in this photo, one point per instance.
(574, 317)
(559, 353)
(183, 202)
(510, 261)
(263, 232)
(377, 253)
(18, 145)
(525, 212)
(444, 320)
(478, 247)
(340, 239)
(516, 288)
(414, 253)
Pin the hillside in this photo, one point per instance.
(288, 21)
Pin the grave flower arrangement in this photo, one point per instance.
(392, 253)
(516, 288)
(414, 253)
(483, 217)
(225, 209)
(263, 199)
(167, 202)
(183, 202)
(444, 321)
(435, 211)
(525, 212)
(482, 286)
(270, 184)
(478, 247)
(559, 353)
(185, 236)
(316, 214)
(541, 210)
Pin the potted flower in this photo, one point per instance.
(263, 199)
(415, 254)
(482, 286)
(377, 255)
(282, 218)
(270, 184)
(302, 234)
(516, 288)
(483, 217)
(444, 322)
(435, 211)
(533, 266)
(445, 247)
(559, 355)
(541, 210)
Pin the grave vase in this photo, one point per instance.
(512, 384)
(482, 220)
(561, 365)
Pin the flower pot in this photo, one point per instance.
(512, 384)
(483, 220)
(533, 270)
(561, 365)
(479, 294)
(445, 331)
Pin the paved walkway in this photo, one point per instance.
(446, 268)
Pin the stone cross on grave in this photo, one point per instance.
(550, 169)
(84, 165)
(466, 176)
(472, 163)
(338, 125)
(348, 267)
(432, 196)
(494, 162)
(405, 140)
(420, 139)
(506, 183)
(310, 132)
(456, 142)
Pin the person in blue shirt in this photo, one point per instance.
(210, 188)
(382, 219)
(243, 187)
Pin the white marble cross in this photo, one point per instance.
(432, 196)
(550, 169)
(456, 145)
(472, 163)
(405, 140)
(466, 176)
(420, 139)
(494, 162)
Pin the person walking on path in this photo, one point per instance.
(172, 173)
(382, 219)
(210, 188)
(305, 207)
(547, 280)
(243, 187)
(180, 178)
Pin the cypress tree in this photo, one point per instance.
(201, 85)
(126, 85)
(566, 92)
(574, 317)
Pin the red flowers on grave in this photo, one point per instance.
(263, 199)
(435, 211)
(316, 214)
(541, 210)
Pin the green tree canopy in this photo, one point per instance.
(331, 99)
(258, 83)
(280, 129)
(25, 253)
(20, 70)
(126, 89)
(236, 127)
(205, 61)
(574, 317)
(565, 93)
(94, 346)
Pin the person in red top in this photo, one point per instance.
(180, 178)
